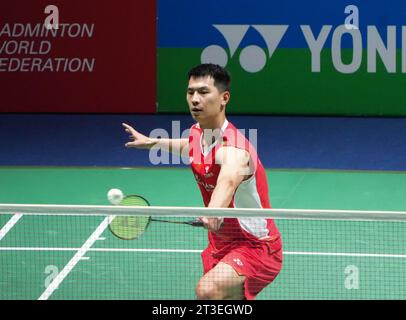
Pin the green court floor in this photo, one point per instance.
(322, 259)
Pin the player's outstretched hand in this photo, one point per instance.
(138, 139)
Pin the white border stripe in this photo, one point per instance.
(75, 259)
(304, 253)
(7, 227)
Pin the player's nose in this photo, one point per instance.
(195, 97)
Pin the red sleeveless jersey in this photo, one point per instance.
(251, 193)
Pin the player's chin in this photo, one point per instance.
(196, 115)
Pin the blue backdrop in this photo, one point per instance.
(283, 142)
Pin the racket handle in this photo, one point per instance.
(196, 223)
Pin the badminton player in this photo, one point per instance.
(243, 255)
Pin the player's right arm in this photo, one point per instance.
(140, 141)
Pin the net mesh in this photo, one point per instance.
(66, 256)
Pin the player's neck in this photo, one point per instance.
(211, 134)
(216, 123)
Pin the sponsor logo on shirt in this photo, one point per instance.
(206, 186)
(238, 262)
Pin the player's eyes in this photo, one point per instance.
(191, 92)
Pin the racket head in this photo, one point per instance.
(130, 227)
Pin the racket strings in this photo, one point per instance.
(130, 227)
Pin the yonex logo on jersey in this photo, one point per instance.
(206, 168)
(238, 262)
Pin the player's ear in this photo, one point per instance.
(225, 97)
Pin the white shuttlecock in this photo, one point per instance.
(115, 196)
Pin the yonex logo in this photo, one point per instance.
(252, 58)
(238, 261)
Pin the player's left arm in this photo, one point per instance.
(234, 169)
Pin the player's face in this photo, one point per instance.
(206, 102)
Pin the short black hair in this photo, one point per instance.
(221, 76)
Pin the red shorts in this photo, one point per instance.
(260, 265)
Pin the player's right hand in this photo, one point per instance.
(212, 224)
(139, 140)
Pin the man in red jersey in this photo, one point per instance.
(244, 255)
